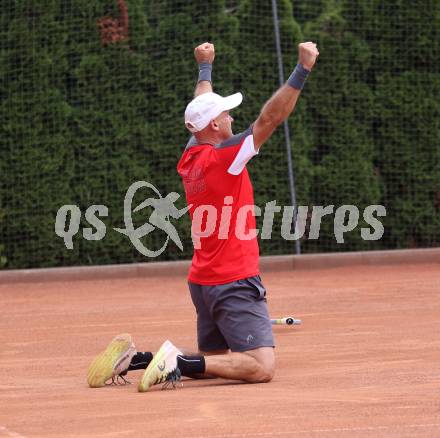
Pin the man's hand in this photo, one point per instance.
(307, 54)
(283, 102)
(204, 53)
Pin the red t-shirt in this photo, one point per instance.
(210, 173)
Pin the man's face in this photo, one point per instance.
(224, 123)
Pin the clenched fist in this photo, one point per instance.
(307, 54)
(204, 53)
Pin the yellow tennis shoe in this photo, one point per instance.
(112, 362)
(162, 369)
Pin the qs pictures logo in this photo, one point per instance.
(160, 219)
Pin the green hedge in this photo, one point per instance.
(80, 122)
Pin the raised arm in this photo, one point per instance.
(204, 55)
(283, 102)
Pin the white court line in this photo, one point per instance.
(297, 432)
(10, 433)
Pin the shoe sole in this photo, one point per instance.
(153, 371)
(103, 366)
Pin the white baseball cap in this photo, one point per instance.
(206, 107)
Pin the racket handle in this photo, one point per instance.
(286, 321)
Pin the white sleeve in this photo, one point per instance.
(246, 152)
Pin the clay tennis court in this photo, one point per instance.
(365, 362)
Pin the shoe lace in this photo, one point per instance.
(171, 379)
(119, 380)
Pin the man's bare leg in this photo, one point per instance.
(254, 366)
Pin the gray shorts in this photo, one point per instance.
(232, 316)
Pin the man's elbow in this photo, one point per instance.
(269, 121)
(263, 128)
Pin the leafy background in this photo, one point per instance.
(81, 121)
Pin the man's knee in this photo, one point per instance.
(262, 374)
(265, 358)
(266, 374)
